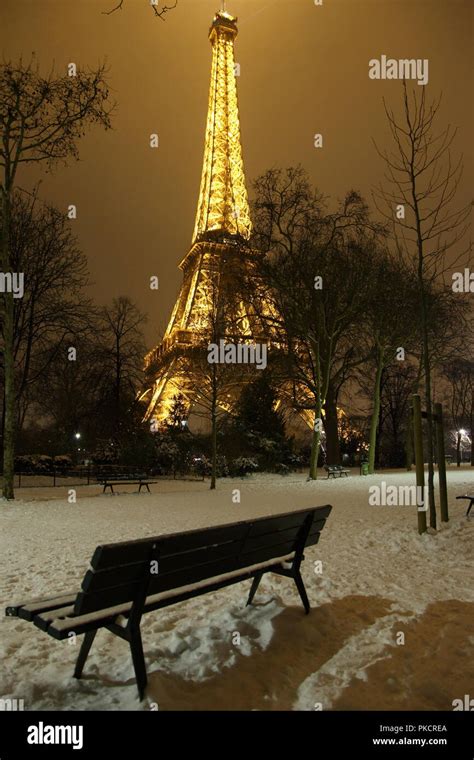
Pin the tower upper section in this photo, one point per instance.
(223, 202)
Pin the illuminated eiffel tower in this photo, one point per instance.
(221, 232)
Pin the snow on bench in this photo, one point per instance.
(128, 579)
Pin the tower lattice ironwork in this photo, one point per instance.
(222, 231)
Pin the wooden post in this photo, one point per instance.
(443, 490)
(419, 463)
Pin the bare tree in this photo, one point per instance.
(121, 356)
(97, 392)
(70, 393)
(315, 272)
(217, 385)
(389, 316)
(400, 381)
(421, 182)
(460, 375)
(41, 121)
(54, 304)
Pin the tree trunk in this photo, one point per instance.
(472, 429)
(458, 450)
(409, 442)
(315, 443)
(214, 431)
(374, 422)
(8, 359)
(331, 428)
(118, 382)
(426, 360)
(322, 383)
(425, 341)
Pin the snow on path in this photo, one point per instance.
(45, 547)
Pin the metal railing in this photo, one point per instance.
(92, 474)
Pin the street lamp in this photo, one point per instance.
(77, 435)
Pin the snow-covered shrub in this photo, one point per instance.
(24, 463)
(166, 453)
(105, 453)
(243, 466)
(63, 462)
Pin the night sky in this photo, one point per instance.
(304, 69)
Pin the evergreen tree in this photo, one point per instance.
(257, 411)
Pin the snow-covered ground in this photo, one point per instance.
(383, 602)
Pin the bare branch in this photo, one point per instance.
(158, 13)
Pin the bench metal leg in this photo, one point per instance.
(469, 507)
(254, 587)
(302, 591)
(138, 659)
(87, 642)
(147, 487)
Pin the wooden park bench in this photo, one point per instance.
(470, 499)
(129, 579)
(336, 470)
(128, 480)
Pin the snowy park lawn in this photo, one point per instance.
(391, 625)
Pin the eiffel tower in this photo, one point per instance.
(222, 230)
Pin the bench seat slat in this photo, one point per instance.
(43, 619)
(27, 610)
(60, 628)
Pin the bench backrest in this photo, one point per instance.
(119, 571)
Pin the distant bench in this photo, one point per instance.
(336, 470)
(129, 480)
(470, 499)
(131, 578)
